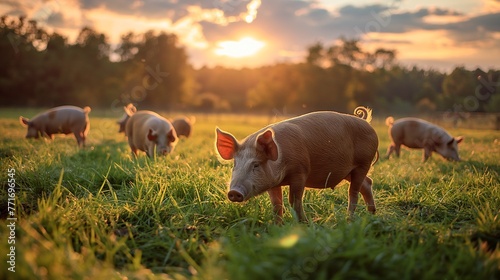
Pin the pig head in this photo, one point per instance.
(316, 150)
(419, 134)
(59, 120)
(147, 131)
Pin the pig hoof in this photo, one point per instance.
(235, 196)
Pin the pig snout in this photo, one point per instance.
(454, 158)
(235, 196)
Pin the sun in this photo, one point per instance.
(244, 47)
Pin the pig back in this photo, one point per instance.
(417, 133)
(328, 145)
(63, 119)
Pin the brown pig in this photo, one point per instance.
(146, 130)
(419, 134)
(316, 150)
(59, 120)
(183, 126)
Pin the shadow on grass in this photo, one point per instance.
(85, 171)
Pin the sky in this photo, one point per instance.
(430, 34)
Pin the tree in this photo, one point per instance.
(277, 90)
(20, 59)
(165, 65)
(459, 84)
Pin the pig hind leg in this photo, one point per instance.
(80, 133)
(80, 138)
(366, 192)
(360, 183)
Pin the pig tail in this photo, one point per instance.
(363, 113)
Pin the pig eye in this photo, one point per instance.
(256, 165)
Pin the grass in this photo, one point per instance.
(96, 213)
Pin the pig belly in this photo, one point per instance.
(409, 133)
(59, 130)
(325, 179)
(413, 143)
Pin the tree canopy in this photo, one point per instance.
(152, 69)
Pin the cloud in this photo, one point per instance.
(288, 26)
(56, 19)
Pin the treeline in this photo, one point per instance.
(152, 70)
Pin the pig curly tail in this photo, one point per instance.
(389, 121)
(363, 113)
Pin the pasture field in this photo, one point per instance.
(95, 213)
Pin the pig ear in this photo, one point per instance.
(226, 144)
(152, 135)
(459, 139)
(24, 121)
(266, 144)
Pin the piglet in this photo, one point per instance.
(315, 150)
(183, 126)
(147, 131)
(59, 120)
(419, 134)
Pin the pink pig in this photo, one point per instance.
(316, 150)
(417, 134)
(62, 119)
(147, 131)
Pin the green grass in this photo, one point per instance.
(94, 213)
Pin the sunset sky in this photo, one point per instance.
(238, 33)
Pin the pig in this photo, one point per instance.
(59, 120)
(123, 120)
(315, 150)
(417, 134)
(146, 130)
(183, 126)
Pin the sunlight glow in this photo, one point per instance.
(289, 241)
(242, 48)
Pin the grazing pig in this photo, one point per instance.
(417, 134)
(147, 130)
(123, 121)
(316, 150)
(183, 126)
(62, 119)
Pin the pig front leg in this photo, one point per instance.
(276, 196)
(427, 153)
